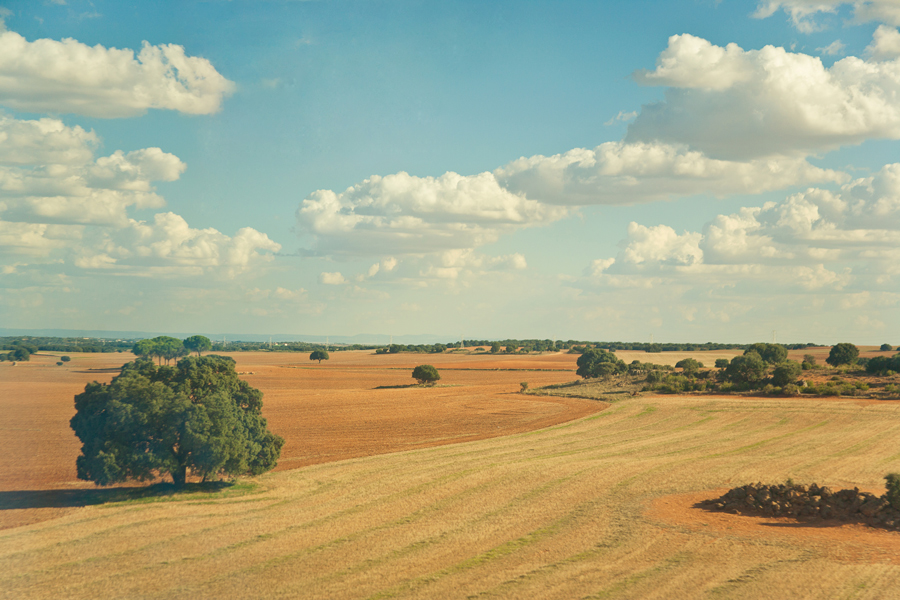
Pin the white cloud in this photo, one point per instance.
(70, 77)
(736, 104)
(813, 240)
(834, 48)
(169, 245)
(403, 214)
(802, 13)
(628, 173)
(885, 43)
(48, 174)
(332, 279)
(622, 117)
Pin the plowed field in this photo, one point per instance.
(355, 404)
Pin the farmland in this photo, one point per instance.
(531, 504)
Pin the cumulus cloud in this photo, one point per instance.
(813, 240)
(48, 174)
(58, 203)
(885, 43)
(739, 105)
(169, 244)
(802, 13)
(403, 214)
(70, 77)
(628, 173)
(332, 279)
(834, 48)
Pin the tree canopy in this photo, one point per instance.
(770, 353)
(842, 354)
(198, 344)
(162, 347)
(596, 362)
(748, 368)
(426, 374)
(318, 355)
(150, 421)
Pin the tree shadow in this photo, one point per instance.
(22, 499)
(396, 387)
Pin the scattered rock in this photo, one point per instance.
(812, 502)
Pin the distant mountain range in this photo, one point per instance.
(362, 338)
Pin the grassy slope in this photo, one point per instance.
(556, 513)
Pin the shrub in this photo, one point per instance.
(770, 353)
(65, 358)
(809, 358)
(892, 483)
(721, 363)
(787, 372)
(791, 390)
(59, 363)
(524, 385)
(885, 348)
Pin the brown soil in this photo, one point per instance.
(355, 404)
(848, 542)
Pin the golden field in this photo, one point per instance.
(597, 507)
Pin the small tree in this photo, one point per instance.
(318, 355)
(842, 354)
(495, 347)
(688, 365)
(597, 362)
(771, 353)
(787, 372)
(721, 363)
(198, 344)
(65, 358)
(19, 353)
(748, 368)
(886, 348)
(426, 374)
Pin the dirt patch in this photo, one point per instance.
(847, 542)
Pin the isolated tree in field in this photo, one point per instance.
(65, 358)
(151, 421)
(748, 368)
(426, 374)
(495, 347)
(590, 364)
(787, 372)
(842, 354)
(198, 344)
(886, 348)
(318, 355)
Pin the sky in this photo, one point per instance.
(677, 170)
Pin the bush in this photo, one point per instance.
(721, 363)
(59, 363)
(770, 353)
(597, 362)
(64, 358)
(791, 390)
(885, 348)
(892, 483)
(426, 374)
(748, 368)
(787, 372)
(524, 385)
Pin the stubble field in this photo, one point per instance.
(601, 506)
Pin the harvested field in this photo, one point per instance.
(598, 507)
(326, 412)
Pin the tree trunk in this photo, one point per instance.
(179, 476)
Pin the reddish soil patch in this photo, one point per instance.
(848, 542)
(355, 404)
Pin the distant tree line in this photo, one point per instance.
(58, 344)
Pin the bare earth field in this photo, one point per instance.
(598, 507)
(325, 412)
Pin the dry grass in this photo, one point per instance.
(565, 512)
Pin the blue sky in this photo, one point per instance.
(695, 171)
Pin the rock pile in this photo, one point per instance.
(808, 502)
